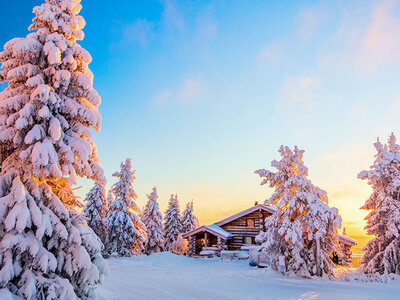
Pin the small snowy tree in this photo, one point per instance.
(96, 209)
(179, 246)
(189, 220)
(152, 219)
(382, 252)
(172, 222)
(126, 232)
(46, 112)
(304, 228)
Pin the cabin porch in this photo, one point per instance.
(206, 240)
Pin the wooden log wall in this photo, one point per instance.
(239, 228)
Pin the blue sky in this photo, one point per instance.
(201, 93)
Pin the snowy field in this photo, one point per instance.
(168, 276)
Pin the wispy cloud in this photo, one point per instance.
(206, 23)
(172, 16)
(141, 32)
(309, 20)
(163, 97)
(367, 40)
(269, 54)
(298, 91)
(189, 90)
(381, 42)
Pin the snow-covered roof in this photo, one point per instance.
(213, 229)
(268, 208)
(221, 231)
(346, 240)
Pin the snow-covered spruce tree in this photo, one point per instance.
(172, 222)
(382, 252)
(126, 233)
(304, 228)
(96, 209)
(189, 220)
(46, 249)
(152, 219)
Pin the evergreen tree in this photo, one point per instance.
(172, 223)
(96, 209)
(152, 219)
(189, 220)
(382, 252)
(46, 112)
(126, 232)
(110, 199)
(304, 228)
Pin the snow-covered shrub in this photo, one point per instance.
(370, 277)
(172, 222)
(126, 233)
(46, 112)
(152, 219)
(189, 220)
(179, 246)
(303, 230)
(382, 252)
(96, 209)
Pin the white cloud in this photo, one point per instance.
(298, 91)
(141, 31)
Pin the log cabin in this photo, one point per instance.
(238, 232)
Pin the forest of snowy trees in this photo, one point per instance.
(52, 246)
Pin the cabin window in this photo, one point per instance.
(249, 240)
(250, 223)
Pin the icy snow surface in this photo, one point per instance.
(168, 276)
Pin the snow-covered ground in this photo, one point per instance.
(169, 276)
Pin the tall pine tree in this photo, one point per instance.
(46, 113)
(172, 223)
(382, 252)
(126, 232)
(189, 220)
(304, 228)
(96, 209)
(152, 219)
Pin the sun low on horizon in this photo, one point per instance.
(201, 94)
